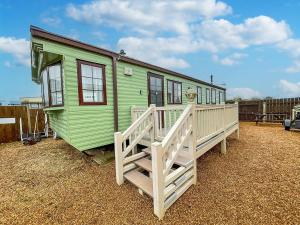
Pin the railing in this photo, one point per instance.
(165, 117)
(126, 143)
(183, 131)
(164, 155)
(212, 122)
(195, 126)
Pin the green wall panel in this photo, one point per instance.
(86, 127)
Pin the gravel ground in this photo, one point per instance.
(256, 182)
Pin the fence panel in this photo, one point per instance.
(248, 109)
(11, 132)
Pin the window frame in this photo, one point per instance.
(199, 102)
(49, 86)
(208, 96)
(173, 97)
(213, 100)
(79, 82)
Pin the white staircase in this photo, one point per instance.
(166, 166)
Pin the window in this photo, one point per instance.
(174, 92)
(199, 95)
(207, 96)
(91, 83)
(213, 96)
(52, 87)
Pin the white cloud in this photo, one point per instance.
(156, 50)
(294, 68)
(259, 30)
(174, 28)
(52, 21)
(138, 15)
(289, 88)
(210, 35)
(18, 48)
(292, 48)
(244, 93)
(229, 60)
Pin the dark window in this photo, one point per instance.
(213, 96)
(52, 87)
(156, 89)
(207, 96)
(174, 92)
(199, 95)
(91, 83)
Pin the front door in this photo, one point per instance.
(155, 89)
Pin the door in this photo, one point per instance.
(155, 89)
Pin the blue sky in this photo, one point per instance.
(251, 46)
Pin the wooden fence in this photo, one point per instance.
(274, 109)
(11, 132)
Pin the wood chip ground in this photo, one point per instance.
(256, 182)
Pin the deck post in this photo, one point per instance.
(223, 146)
(192, 141)
(119, 158)
(158, 179)
(237, 133)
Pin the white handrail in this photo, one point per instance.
(176, 126)
(136, 123)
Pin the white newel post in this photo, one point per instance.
(119, 158)
(153, 131)
(223, 142)
(193, 140)
(238, 121)
(158, 179)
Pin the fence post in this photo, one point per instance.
(28, 119)
(119, 158)
(158, 179)
(264, 111)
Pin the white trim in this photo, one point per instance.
(7, 120)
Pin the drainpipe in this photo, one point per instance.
(115, 93)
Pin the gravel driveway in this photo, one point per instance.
(256, 182)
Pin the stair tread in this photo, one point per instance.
(145, 163)
(148, 138)
(141, 181)
(180, 160)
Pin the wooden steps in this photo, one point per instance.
(183, 161)
(145, 164)
(141, 181)
(180, 160)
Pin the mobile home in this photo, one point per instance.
(88, 92)
(160, 121)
